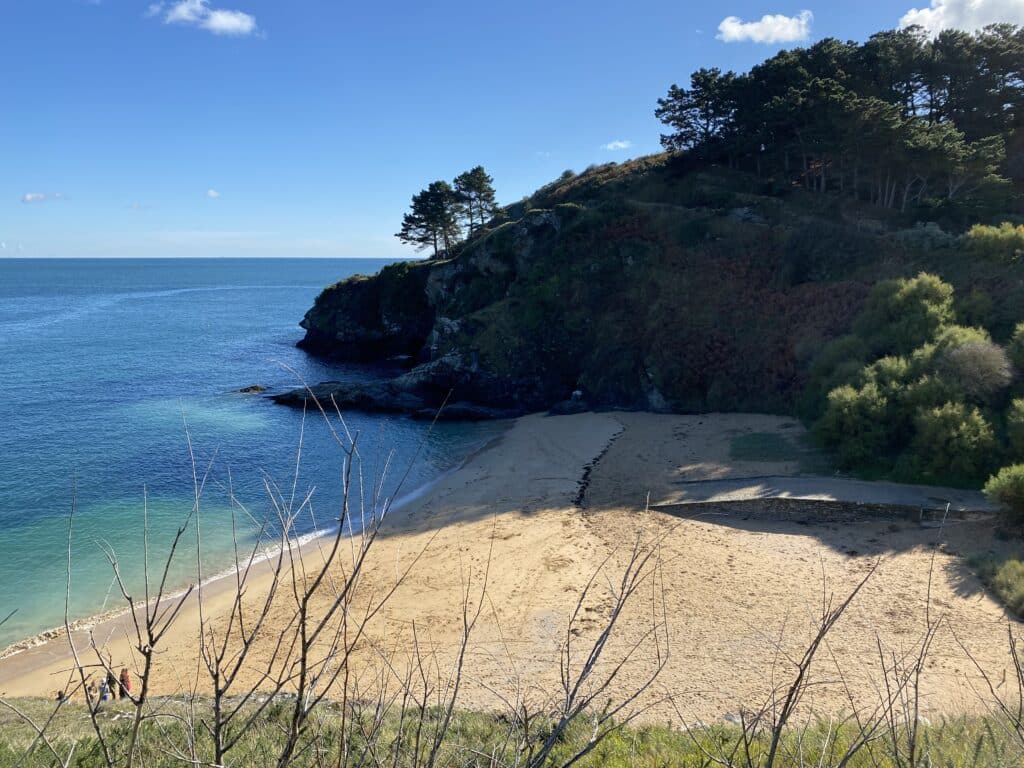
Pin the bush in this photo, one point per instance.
(928, 357)
(839, 351)
(1008, 583)
(1003, 244)
(902, 315)
(839, 362)
(976, 308)
(1006, 579)
(980, 369)
(953, 336)
(1015, 428)
(1006, 489)
(927, 392)
(1016, 347)
(854, 425)
(925, 236)
(953, 443)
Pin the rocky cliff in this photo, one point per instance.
(642, 285)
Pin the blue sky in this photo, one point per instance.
(302, 127)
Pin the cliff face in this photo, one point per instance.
(639, 286)
(428, 314)
(374, 318)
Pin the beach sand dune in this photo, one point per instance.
(741, 594)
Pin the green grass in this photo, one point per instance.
(474, 737)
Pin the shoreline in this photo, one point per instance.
(731, 582)
(300, 544)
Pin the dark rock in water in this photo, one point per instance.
(252, 389)
(464, 412)
(413, 393)
(379, 397)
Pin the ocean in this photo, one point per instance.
(109, 368)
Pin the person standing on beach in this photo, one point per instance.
(125, 683)
(111, 683)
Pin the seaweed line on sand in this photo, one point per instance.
(579, 500)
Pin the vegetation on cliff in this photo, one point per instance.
(912, 393)
(903, 121)
(658, 283)
(833, 234)
(439, 214)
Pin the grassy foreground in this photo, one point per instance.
(479, 739)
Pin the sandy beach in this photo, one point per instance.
(740, 593)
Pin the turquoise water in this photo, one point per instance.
(104, 362)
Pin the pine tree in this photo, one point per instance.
(475, 190)
(432, 220)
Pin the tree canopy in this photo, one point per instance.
(900, 120)
(439, 214)
(432, 220)
(475, 190)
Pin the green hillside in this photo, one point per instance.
(769, 261)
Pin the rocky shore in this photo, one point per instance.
(413, 314)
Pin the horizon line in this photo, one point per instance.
(28, 257)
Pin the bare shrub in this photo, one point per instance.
(981, 369)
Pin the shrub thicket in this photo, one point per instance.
(1005, 577)
(976, 308)
(1015, 428)
(854, 425)
(1006, 488)
(907, 389)
(1004, 243)
(980, 369)
(901, 315)
(953, 442)
(1016, 347)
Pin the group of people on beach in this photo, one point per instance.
(110, 688)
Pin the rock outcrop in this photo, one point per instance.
(642, 285)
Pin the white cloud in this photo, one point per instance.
(618, 144)
(40, 197)
(772, 28)
(198, 13)
(964, 14)
(187, 12)
(213, 194)
(230, 23)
